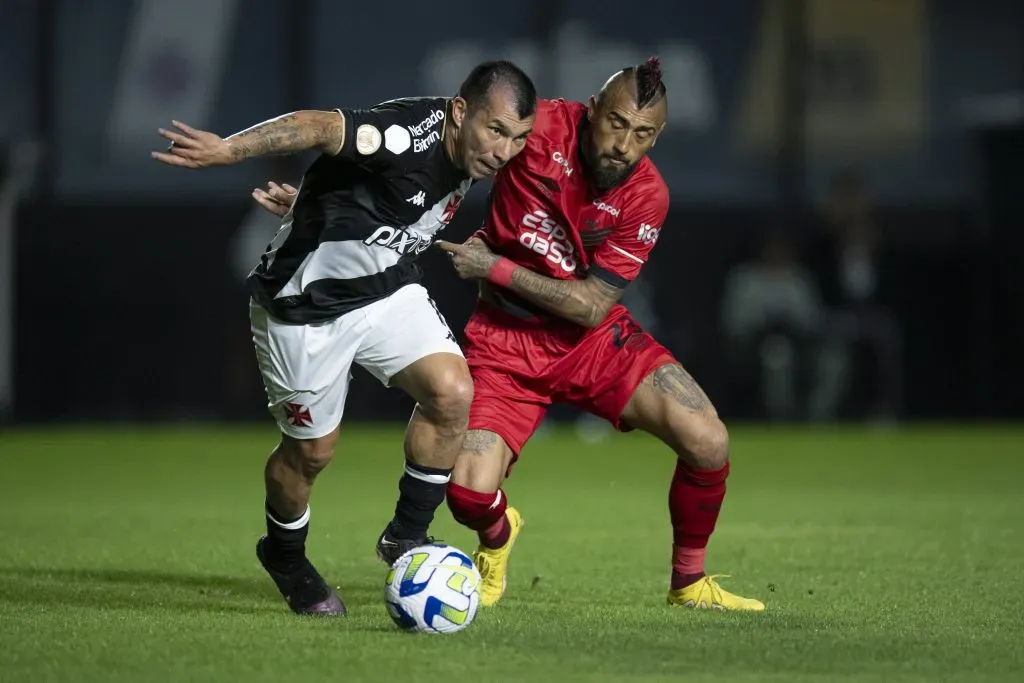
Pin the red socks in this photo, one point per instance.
(482, 512)
(694, 501)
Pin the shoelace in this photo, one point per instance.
(483, 564)
(716, 590)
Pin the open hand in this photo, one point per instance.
(194, 148)
(472, 259)
(277, 199)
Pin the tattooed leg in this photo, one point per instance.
(479, 441)
(483, 461)
(477, 502)
(676, 383)
(671, 405)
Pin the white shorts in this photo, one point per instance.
(306, 368)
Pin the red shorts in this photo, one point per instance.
(521, 367)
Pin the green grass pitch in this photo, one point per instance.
(127, 555)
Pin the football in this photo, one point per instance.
(432, 589)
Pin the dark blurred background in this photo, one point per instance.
(847, 182)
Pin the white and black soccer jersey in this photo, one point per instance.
(362, 217)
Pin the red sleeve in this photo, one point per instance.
(619, 259)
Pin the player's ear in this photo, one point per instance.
(657, 133)
(591, 108)
(458, 111)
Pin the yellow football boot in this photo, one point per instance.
(493, 562)
(707, 594)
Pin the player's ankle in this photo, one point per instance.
(398, 531)
(680, 580)
(497, 535)
(283, 560)
(285, 546)
(421, 491)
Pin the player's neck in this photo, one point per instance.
(450, 138)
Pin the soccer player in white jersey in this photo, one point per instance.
(339, 285)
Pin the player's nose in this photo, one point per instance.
(503, 151)
(620, 145)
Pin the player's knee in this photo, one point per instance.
(706, 442)
(475, 509)
(308, 456)
(472, 472)
(449, 399)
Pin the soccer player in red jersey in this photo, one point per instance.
(572, 220)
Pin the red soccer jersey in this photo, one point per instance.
(545, 216)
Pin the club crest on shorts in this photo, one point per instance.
(298, 415)
(367, 139)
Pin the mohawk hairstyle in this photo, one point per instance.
(645, 81)
(649, 88)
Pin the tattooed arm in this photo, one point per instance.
(295, 132)
(323, 131)
(584, 302)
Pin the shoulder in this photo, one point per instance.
(558, 116)
(399, 125)
(412, 106)
(554, 133)
(560, 107)
(646, 188)
(647, 181)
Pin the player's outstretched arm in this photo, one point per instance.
(295, 132)
(584, 302)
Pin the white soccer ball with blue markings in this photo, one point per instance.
(432, 589)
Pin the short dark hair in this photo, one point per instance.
(484, 77)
